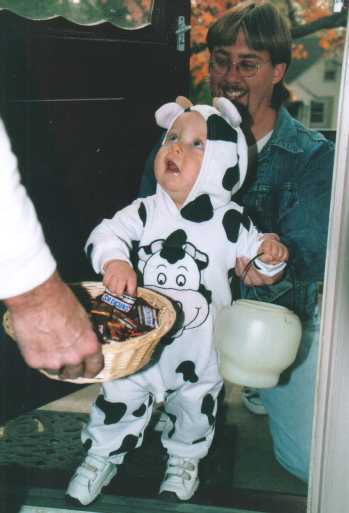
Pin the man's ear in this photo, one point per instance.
(279, 72)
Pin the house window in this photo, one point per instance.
(321, 111)
(330, 71)
(317, 113)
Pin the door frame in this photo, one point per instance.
(328, 487)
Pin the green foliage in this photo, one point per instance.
(200, 93)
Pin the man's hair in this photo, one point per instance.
(264, 28)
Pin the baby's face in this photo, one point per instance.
(178, 162)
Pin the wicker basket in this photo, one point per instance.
(129, 356)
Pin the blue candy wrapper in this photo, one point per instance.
(123, 303)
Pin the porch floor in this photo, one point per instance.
(42, 449)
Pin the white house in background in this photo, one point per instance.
(315, 83)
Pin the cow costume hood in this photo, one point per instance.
(224, 164)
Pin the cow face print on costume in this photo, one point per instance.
(173, 267)
(187, 368)
(113, 411)
(224, 164)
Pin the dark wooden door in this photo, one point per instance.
(79, 105)
(78, 102)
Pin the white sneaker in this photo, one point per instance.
(181, 477)
(252, 401)
(89, 479)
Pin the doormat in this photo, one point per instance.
(42, 440)
(43, 448)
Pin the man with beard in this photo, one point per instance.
(287, 192)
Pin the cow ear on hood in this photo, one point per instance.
(167, 113)
(184, 102)
(228, 111)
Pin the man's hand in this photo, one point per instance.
(53, 331)
(253, 278)
(119, 277)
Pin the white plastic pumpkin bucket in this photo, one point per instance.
(256, 341)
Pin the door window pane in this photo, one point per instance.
(127, 14)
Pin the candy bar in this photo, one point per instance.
(114, 318)
(124, 303)
(101, 309)
(147, 316)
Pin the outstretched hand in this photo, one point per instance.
(119, 277)
(53, 331)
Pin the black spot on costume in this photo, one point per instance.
(113, 411)
(187, 368)
(142, 213)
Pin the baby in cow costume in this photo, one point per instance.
(189, 235)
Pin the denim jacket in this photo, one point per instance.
(290, 195)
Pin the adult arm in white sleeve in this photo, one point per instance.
(25, 259)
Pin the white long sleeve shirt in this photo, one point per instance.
(25, 259)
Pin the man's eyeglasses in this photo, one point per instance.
(247, 68)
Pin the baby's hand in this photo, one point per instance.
(119, 277)
(273, 251)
